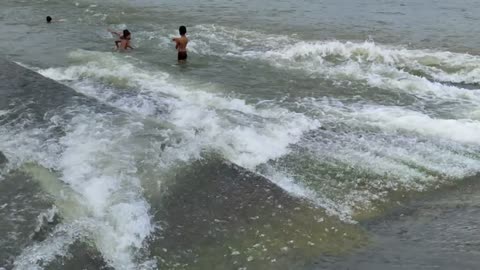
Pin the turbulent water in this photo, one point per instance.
(132, 161)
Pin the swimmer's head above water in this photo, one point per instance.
(49, 19)
(182, 30)
(126, 34)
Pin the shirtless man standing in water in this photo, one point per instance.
(181, 44)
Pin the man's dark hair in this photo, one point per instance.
(126, 33)
(182, 30)
(49, 19)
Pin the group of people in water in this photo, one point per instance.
(124, 37)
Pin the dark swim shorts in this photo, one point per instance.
(182, 56)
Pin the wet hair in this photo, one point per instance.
(126, 33)
(49, 19)
(182, 30)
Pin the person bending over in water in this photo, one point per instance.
(123, 41)
(181, 43)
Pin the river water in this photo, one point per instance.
(291, 125)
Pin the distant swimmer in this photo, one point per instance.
(50, 20)
(123, 41)
(181, 43)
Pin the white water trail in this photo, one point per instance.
(244, 134)
(99, 195)
(419, 72)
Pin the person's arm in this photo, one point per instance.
(113, 32)
(176, 42)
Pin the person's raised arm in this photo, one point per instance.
(113, 32)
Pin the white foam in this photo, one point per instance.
(253, 136)
(286, 182)
(3, 112)
(475, 115)
(399, 119)
(46, 251)
(47, 216)
(92, 160)
(393, 153)
(108, 188)
(380, 67)
(383, 66)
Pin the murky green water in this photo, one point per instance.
(293, 128)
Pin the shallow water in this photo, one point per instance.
(345, 107)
